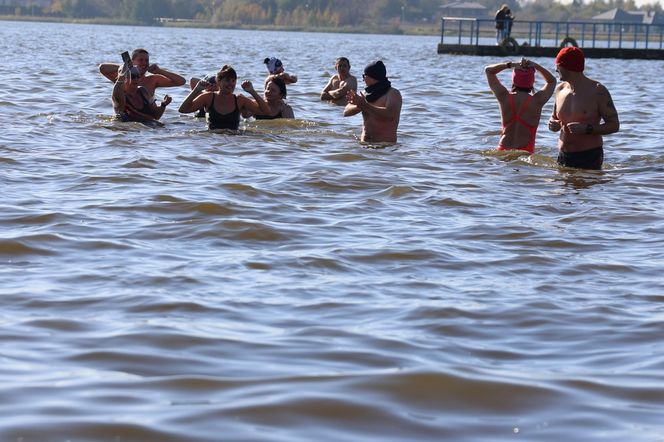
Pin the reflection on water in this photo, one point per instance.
(289, 283)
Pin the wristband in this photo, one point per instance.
(589, 129)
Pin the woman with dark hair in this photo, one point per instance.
(520, 108)
(222, 106)
(132, 102)
(275, 92)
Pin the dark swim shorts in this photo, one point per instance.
(587, 159)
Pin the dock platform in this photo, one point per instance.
(544, 39)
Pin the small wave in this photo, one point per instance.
(19, 247)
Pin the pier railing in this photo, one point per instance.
(585, 34)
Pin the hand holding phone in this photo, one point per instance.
(126, 59)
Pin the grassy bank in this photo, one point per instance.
(405, 29)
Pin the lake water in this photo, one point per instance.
(289, 284)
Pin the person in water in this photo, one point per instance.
(520, 108)
(340, 83)
(211, 86)
(223, 107)
(583, 111)
(276, 69)
(380, 105)
(151, 76)
(275, 92)
(132, 102)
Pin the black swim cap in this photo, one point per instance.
(376, 70)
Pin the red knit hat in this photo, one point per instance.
(571, 58)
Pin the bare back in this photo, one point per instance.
(529, 110)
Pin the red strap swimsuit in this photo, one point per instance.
(516, 118)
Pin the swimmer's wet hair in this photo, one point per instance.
(280, 84)
(226, 71)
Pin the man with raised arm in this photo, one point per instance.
(380, 105)
(157, 77)
(583, 111)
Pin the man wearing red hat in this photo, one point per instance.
(583, 111)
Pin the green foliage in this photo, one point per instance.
(368, 14)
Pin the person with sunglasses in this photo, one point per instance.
(380, 105)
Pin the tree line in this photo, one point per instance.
(311, 13)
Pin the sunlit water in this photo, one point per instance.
(289, 284)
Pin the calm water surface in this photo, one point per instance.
(289, 284)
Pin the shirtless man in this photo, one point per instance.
(141, 59)
(584, 110)
(340, 83)
(380, 105)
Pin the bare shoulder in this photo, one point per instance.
(395, 93)
(562, 85)
(600, 88)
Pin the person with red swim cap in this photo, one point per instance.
(583, 111)
(520, 111)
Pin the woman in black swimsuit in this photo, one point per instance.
(131, 102)
(223, 107)
(275, 92)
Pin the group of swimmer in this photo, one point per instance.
(583, 110)
(214, 97)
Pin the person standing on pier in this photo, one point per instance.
(583, 111)
(520, 111)
(501, 23)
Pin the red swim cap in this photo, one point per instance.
(523, 77)
(571, 58)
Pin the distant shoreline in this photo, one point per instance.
(388, 29)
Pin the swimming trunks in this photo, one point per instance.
(230, 120)
(516, 118)
(268, 117)
(588, 159)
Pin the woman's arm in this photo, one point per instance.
(255, 106)
(196, 100)
(287, 111)
(495, 85)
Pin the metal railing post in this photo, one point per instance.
(594, 33)
(460, 24)
(442, 31)
(620, 35)
(583, 34)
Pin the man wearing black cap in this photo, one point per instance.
(380, 105)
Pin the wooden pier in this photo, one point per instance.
(468, 36)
